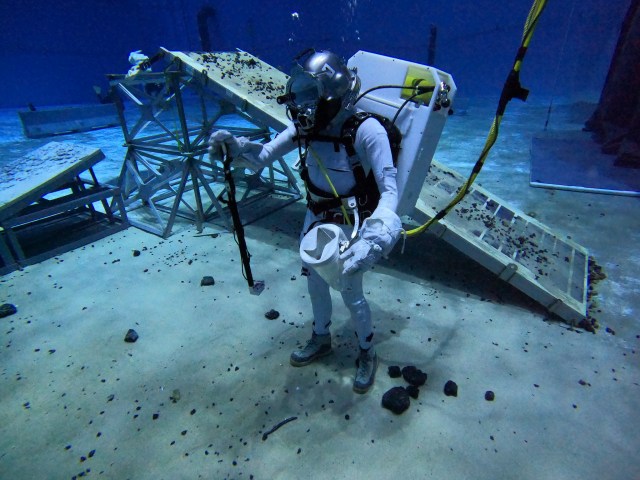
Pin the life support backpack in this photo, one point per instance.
(366, 189)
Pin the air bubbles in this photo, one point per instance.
(296, 28)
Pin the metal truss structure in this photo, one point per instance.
(166, 119)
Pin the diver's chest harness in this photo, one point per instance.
(364, 196)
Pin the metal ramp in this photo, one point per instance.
(52, 202)
(245, 81)
(520, 250)
(517, 248)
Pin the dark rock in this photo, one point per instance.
(7, 309)
(489, 396)
(588, 324)
(414, 375)
(396, 399)
(451, 389)
(136, 253)
(207, 281)
(131, 336)
(272, 314)
(394, 371)
(413, 391)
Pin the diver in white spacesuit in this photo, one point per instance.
(320, 97)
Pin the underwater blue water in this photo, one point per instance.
(54, 52)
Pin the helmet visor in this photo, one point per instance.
(304, 90)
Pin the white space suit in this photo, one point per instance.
(332, 171)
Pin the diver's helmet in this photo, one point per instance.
(319, 87)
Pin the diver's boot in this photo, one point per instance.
(318, 346)
(367, 364)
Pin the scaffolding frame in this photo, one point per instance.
(166, 119)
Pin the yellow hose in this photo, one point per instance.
(333, 189)
(529, 27)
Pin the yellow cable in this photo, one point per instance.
(530, 24)
(333, 189)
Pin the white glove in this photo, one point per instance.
(360, 256)
(135, 59)
(378, 236)
(243, 152)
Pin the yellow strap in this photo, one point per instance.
(530, 24)
(333, 189)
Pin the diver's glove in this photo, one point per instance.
(139, 62)
(243, 152)
(377, 237)
(360, 256)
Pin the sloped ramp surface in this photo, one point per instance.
(242, 79)
(52, 202)
(520, 250)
